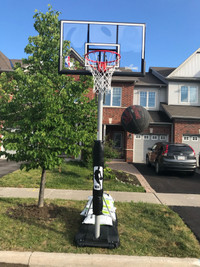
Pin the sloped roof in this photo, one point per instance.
(5, 64)
(181, 112)
(158, 117)
(164, 71)
(14, 61)
(148, 80)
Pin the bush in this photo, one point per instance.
(108, 174)
(109, 153)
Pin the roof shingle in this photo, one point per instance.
(181, 112)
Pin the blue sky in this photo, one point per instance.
(172, 26)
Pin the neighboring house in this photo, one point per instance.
(7, 65)
(172, 97)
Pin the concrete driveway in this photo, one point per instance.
(169, 182)
(8, 166)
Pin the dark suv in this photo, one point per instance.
(176, 157)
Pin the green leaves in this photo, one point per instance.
(49, 114)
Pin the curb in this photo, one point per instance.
(41, 259)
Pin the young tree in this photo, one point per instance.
(44, 114)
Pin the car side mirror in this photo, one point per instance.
(150, 148)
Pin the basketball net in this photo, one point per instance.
(102, 64)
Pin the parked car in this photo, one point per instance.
(174, 157)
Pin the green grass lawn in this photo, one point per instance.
(73, 175)
(144, 229)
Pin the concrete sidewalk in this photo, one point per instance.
(190, 200)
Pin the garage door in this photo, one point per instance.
(194, 142)
(142, 143)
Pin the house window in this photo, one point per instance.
(163, 137)
(189, 94)
(154, 137)
(146, 137)
(148, 99)
(113, 98)
(195, 138)
(186, 138)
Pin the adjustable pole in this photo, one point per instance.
(98, 164)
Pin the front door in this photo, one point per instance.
(118, 142)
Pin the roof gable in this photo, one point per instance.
(190, 68)
(5, 64)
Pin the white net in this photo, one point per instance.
(102, 80)
(102, 65)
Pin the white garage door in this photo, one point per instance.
(194, 142)
(143, 142)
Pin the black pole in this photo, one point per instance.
(98, 165)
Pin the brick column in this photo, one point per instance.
(128, 147)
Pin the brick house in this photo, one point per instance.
(172, 97)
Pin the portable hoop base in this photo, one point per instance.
(109, 237)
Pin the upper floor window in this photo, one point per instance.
(113, 98)
(189, 94)
(148, 99)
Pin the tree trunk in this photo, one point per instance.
(42, 187)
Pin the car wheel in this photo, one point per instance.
(157, 167)
(148, 162)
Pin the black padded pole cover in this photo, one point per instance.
(98, 154)
(98, 163)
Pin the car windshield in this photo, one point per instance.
(174, 148)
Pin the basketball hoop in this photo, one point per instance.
(102, 64)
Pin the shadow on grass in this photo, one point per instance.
(50, 218)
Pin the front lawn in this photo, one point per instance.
(144, 229)
(71, 175)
